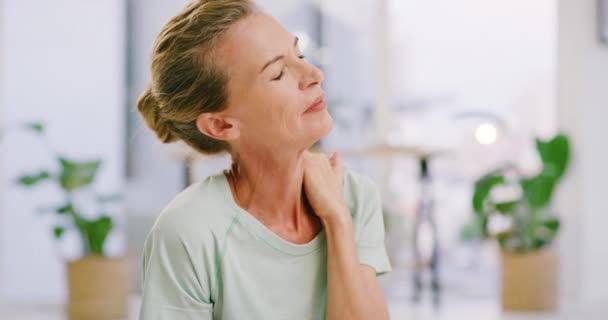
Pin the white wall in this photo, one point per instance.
(156, 172)
(496, 56)
(446, 57)
(583, 111)
(2, 123)
(62, 62)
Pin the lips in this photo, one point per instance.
(317, 105)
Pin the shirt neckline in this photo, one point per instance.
(260, 230)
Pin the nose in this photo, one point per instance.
(311, 76)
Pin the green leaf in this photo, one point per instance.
(97, 231)
(58, 232)
(539, 190)
(555, 155)
(66, 209)
(483, 188)
(75, 175)
(38, 127)
(538, 243)
(480, 194)
(545, 233)
(31, 180)
(552, 224)
(506, 207)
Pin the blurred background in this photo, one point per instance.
(481, 121)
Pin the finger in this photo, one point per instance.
(332, 159)
(336, 162)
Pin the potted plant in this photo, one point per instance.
(528, 255)
(98, 285)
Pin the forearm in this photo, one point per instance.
(348, 295)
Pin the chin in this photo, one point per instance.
(321, 127)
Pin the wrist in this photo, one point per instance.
(337, 218)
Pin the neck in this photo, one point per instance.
(270, 186)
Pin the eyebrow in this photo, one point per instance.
(279, 57)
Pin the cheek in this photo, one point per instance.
(285, 107)
(268, 118)
(275, 111)
(286, 122)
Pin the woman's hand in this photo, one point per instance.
(323, 186)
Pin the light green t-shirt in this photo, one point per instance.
(207, 258)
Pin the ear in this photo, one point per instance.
(217, 126)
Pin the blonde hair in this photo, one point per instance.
(185, 83)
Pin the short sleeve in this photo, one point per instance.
(174, 287)
(370, 240)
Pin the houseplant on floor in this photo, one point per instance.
(98, 285)
(529, 258)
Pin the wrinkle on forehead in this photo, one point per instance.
(230, 48)
(244, 48)
(248, 45)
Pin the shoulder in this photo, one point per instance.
(366, 210)
(198, 214)
(361, 195)
(359, 189)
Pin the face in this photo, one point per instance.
(274, 94)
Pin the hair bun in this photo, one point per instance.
(149, 107)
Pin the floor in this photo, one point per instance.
(453, 309)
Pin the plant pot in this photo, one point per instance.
(98, 288)
(530, 280)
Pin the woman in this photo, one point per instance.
(283, 234)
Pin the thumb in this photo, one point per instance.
(336, 162)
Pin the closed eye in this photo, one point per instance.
(278, 77)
